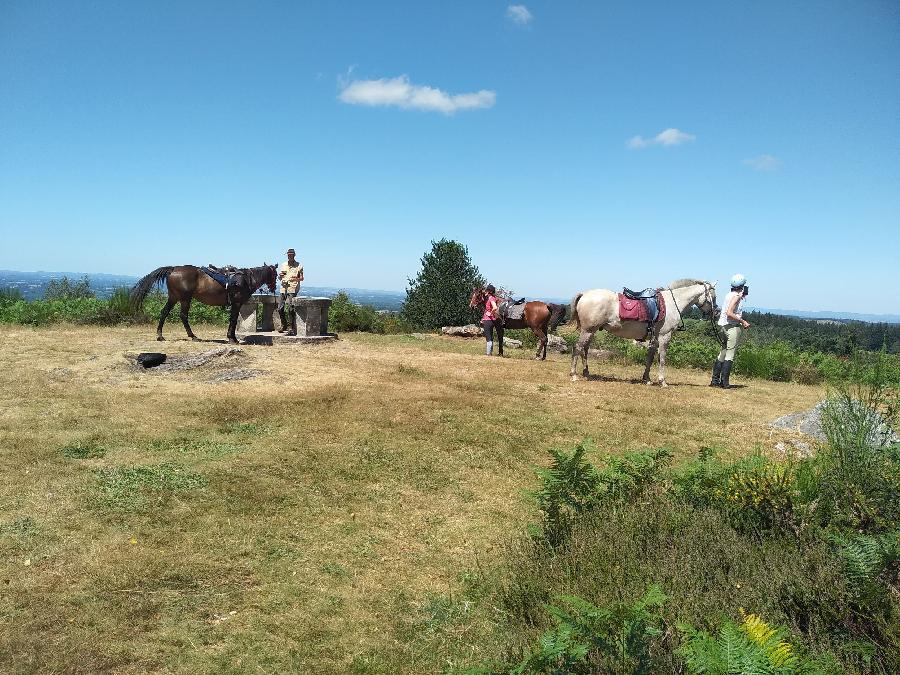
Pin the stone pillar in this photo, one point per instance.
(312, 315)
(268, 303)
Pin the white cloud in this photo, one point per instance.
(519, 14)
(763, 162)
(665, 138)
(399, 92)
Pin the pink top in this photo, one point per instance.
(490, 309)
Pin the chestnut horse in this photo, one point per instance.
(540, 317)
(186, 283)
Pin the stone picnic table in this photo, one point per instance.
(312, 320)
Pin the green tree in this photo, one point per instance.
(439, 295)
(63, 289)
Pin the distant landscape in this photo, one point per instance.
(32, 284)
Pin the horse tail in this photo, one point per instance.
(574, 307)
(142, 287)
(557, 316)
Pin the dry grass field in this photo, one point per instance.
(300, 520)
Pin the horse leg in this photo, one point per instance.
(651, 352)
(500, 338)
(185, 307)
(170, 303)
(581, 349)
(232, 322)
(541, 335)
(663, 345)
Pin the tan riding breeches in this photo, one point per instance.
(733, 337)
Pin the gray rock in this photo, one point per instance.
(793, 449)
(418, 336)
(854, 412)
(556, 344)
(512, 343)
(463, 331)
(602, 354)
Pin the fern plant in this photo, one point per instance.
(571, 485)
(751, 647)
(591, 639)
(866, 558)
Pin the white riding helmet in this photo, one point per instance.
(738, 280)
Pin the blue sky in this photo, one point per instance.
(569, 145)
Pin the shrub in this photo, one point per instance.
(860, 483)
(345, 315)
(63, 289)
(10, 296)
(590, 639)
(571, 485)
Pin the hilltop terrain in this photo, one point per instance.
(303, 519)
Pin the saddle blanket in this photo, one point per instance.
(649, 310)
(513, 310)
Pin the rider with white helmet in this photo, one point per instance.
(732, 323)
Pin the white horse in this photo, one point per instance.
(598, 309)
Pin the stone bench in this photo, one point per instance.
(312, 315)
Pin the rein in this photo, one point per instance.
(717, 334)
(680, 325)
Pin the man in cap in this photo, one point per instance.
(291, 274)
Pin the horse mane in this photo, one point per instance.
(682, 283)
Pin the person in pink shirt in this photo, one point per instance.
(491, 314)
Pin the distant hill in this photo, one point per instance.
(842, 317)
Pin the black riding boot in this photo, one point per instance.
(726, 374)
(717, 374)
(284, 327)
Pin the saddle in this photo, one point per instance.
(222, 275)
(512, 310)
(230, 277)
(645, 294)
(647, 306)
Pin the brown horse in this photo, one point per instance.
(540, 317)
(186, 283)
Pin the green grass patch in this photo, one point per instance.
(204, 448)
(84, 449)
(137, 488)
(25, 526)
(410, 371)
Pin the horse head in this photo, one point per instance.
(477, 298)
(707, 304)
(270, 276)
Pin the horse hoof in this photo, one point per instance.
(195, 338)
(663, 384)
(574, 378)
(160, 338)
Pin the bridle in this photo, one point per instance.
(707, 300)
(714, 327)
